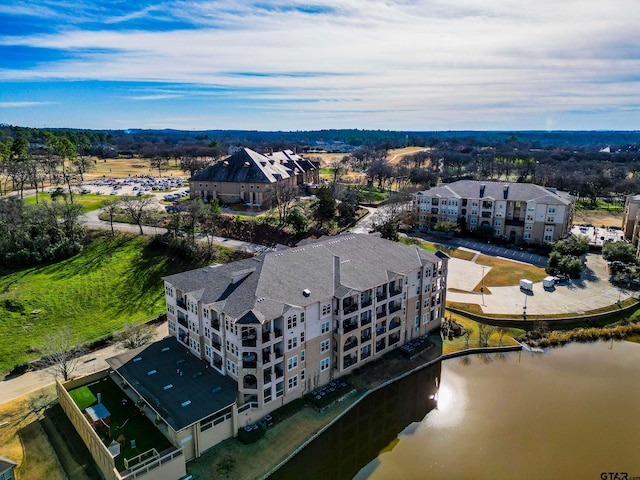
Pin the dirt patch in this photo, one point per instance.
(598, 218)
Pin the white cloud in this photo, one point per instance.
(422, 58)
(23, 104)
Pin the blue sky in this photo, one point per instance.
(288, 65)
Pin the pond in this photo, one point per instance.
(572, 412)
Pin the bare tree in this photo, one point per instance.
(137, 210)
(134, 336)
(111, 207)
(61, 354)
(283, 196)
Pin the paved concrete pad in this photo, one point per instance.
(464, 275)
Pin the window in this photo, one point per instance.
(416, 321)
(301, 337)
(302, 356)
(551, 218)
(528, 226)
(292, 363)
(231, 367)
(419, 273)
(292, 322)
(418, 290)
(324, 364)
(168, 290)
(172, 325)
(207, 350)
(293, 382)
(171, 309)
(207, 332)
(292, 343)
(527, 236)
(551, 210)
(474, 211)
(417, 304)
(496, 231)
(324, 346)
(426, 302)
(324, 328)
(326, 309)
(425, 318)
(301, 317)
(302, 375)
(474, 221)
(498, 223)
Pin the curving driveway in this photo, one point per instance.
(590, 292)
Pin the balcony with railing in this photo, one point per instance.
(394, 338)
(381, 345)
(394, 306)
(365, 318)
(182, 320)
(349, 360)
(365, 352)
(381, 311)
(249, 360)
(266, 355)
(351, 342)
(266, 376)
(381, 293)
(249, 337)
(266, 336)
(249, 382)
(278, 349)
(349, 305)
(381, 328)
(395, 323)
(215, 323)
(365, 335)
(216, 342)
(349, 324)
(366, 299)
(217, 361)
(277, 327)
(181, 302)
(395, 288)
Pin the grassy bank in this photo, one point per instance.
(89, 202)
(111, 282)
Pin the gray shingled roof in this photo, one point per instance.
(244, 166)
(206, 390)
(331, 266)
(519, 192)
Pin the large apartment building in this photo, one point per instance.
(286, 322)
(631, 222)
(518, 212)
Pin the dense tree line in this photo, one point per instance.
(34, 234)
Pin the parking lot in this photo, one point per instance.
(590, 292)
(169, 189)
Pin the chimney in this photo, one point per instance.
(482, 187)
(505, 191)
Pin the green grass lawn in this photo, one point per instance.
(127, 422)
(505, 273)
(83, 397)
(89, 202)
(111, 282)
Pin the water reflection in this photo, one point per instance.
(368, 430)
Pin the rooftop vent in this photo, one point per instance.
(137, 359)
(306, 292)
(188, 402)
(246, 164)
(165, 349)
(151, 372)
(225, 163)
(216, 389)
(167, 387)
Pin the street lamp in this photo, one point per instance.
(482, 287)
(524, 309)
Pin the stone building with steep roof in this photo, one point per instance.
(250, 177)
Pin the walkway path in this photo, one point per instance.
(15, 387)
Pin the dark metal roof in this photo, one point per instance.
(196, 390)
(244, 166)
